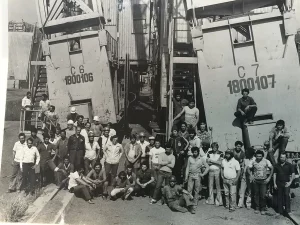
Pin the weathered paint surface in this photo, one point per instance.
(274, 80)
(81, 76)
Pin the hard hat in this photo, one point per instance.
(142, 134)
(96, 118)
(172, 179)
(106, 129)
(73, 110)
(151, 138)
(70, 122)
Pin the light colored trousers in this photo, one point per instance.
(214, 177)
(230, 192)
(245, 186)
(194, 183)
(116, 191)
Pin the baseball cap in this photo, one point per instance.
(151, 138)
(96, 118)
(70, 122)
(73, 110)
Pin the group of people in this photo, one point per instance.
(85, 157)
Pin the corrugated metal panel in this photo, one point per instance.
(181, 26)
(137, 45)
(110, 11)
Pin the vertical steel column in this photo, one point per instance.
(126, 88)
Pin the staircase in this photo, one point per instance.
(41, 86)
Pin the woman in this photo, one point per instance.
(246, 107)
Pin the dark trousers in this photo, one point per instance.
(283, 198)
(46, 172)
(27, 120)
(260, 190)
(178, 169)
(16, 177)
(82, 191)
(249, 114)
(162, 176)
(281, 144)
(76, 158)
(111, 170)
(28, 177)
(148, 190)
(59, 176)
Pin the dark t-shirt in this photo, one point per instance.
(243, 103)
(145, 177)
(283, 172)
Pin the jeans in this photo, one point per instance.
(194, 183)
(214, 177)
(180, 204)
(111, 169)
(87, 163)
(76, 158)
(245, 186)
(249, 114)
(16, 177)
(82, 191)
(230, 193)
(125, 191)
(283, 198)
(260, 190)
(29, 177)
(162, 176)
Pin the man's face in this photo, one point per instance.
(51, 109)
(215, 148)
(58, 131)
(115, 141)
(245, 94)
(28, 95)
(51, 133)
(70, 126)
(22, 139)
(259, 157)
(228, 156)
(192, 135)
(205, 146)
(129, 170)
(46, 140)
(80, 171)
(88, 126)
(80, 119)
(29, 143)
(78, 130)
(178, 97)
(157, 144)
(96, 122)
(97, 168)
(132, 140)
(168, 151)
(195, 154)
(66, 161)
(91, 138)
(266, 147)
(144, 168)
(192, 105)
(202, 127)
(151, 142)
(106, 133)
(175, 133)
(279, 127)
(172, 184)
(238, 148)
(62, 135)
(282, 158)
(33, 134)
(44, 98)
(142, 138)
(183, 127)
(122, 177)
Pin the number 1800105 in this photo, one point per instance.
(259, 83)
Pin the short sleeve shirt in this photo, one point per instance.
(230, 168)
(72, 181)
(144, 177)
(19, 149)
(260, 168)
(91, 150)
(171, 193)
(244, 102)
(283, 172)
(191, 115)
(155, 152)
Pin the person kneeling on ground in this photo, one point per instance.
(145, 183)
(98, 176)
(121, 186)
(80, 186)
(63, 171)
(177, 198)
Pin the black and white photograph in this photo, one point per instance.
(143, 112)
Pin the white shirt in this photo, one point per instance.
(105, 141)
(19, 150)
(31, 155)
(72, 181)
(204, 154)
(230, 168)
(143, 145)
(112, 153)
(112, 132)
(26, 102)
(45, 105)
(155, 152)
(191, 115)
(214, 157)
(84, 133)
(90, 150)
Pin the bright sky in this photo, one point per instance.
(22, 9)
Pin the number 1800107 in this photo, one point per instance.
(259, 83)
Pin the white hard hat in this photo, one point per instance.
(96, 118)
(73, 110)
(70, 122)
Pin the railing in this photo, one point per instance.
(112, 46)
(30, 56)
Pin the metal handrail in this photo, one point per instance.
(35, 75)
(112, 45)
(30, 55)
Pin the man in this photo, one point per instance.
(98, 177)
(29, 162)
(64, 169)
(46, 163)
(191, 115)
(79, 122)
(62, 146)
(214, 160)
(112, 131)
(144, 145)
(166, 162)
(193, 173)
(16, 177)
(246, 183)
(85, 132)
(238, 153)
(284, 174)
(259, 171)
(179, 146)
(153, 158)
(113, 152)
(145, 182)
(104, 140)
(44, 107)
(131, 176)
(183, 132)
(231, 171)
(72, 115)
(70, 129)
(96, 128)
(246, 107)
(203, 134)
(76, 147)
(194, 141)
(133, 153)
(151, 144)
(51, 118)
(178, 107)
(27, 106)
(121, 186)
(92, 151)
(79, 185)
(279, 137)
(36, 140)
(178, 199)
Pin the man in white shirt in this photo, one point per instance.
(153, 158)
(85, 132)
(194, 141)
(27, 106)
(29, 162)
(92, 149)
(112, 131)
(16, 177)
(191, 115)
(231, 171)
(143, 143)
(70, 128)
